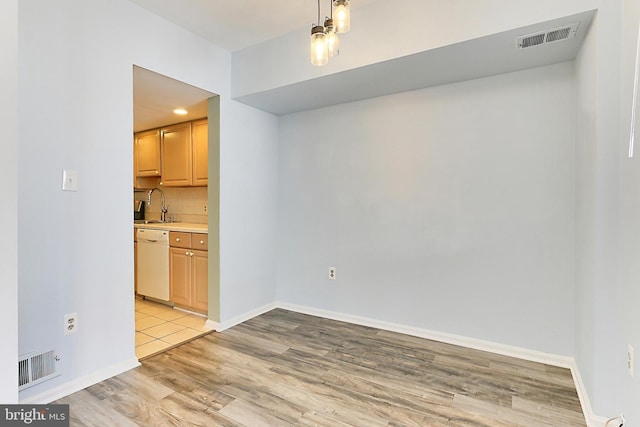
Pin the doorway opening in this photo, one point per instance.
(175, 149)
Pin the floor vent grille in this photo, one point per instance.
(548, 36)
(34, 368)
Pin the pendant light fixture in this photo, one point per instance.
(324, 38)
(333, 42)
(342, 14)
(319, 48)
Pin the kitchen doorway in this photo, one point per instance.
(185, 209)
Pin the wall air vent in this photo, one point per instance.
(549, 36)
(34, 368)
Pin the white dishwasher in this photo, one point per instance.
(153, 263)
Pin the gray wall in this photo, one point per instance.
(586, 114)
(629, 294)
(248, 210)
(598, 352)
(9, 211)
(449, 208)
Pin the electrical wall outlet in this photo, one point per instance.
(630, 359)
(332, 273)
(70, 323)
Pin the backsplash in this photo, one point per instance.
(183, 204)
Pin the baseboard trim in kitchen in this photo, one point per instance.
(80, 383)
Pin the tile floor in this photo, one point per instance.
(160, 327)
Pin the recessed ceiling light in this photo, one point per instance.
(180, 111)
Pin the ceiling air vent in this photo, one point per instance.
(548, 36)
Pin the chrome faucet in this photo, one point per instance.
(163, 209)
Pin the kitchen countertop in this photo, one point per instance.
(175, 226)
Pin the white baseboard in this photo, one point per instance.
(477, 344)
(592, 419)
(492, 347)
(596, 420)
(211, 325)
(242, 318)
(80, 383)
(506, 350)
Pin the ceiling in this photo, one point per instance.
(472, 59)
(156, 96)
(236, 24)
(232, 25)
(240, 23)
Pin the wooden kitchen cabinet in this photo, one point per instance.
(184, 154)
(135, 263)
(200, 139)
(176, 155)
(189, 271)
(146, 159)
(147, 153)
(179, 276)
(200, 281)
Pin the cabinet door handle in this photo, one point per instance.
(202, 242)
(191, 254)
(177, 239)
(186, 253)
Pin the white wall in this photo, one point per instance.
(75, 251)
(586, 262)
(9, 211)
(386, 30)
(598, 352)
(249, 179)
(629, 300)
(449, 208)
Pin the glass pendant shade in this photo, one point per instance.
(319, 49)
(342, 16)
(333, 42)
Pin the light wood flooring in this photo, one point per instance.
(288, 369)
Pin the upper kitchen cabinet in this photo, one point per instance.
(146, 159)
(184, 154)
(176, 155)
(200, 173)
(147, 153)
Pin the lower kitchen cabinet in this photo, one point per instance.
(189, 271)
(135, 263)
(200, 281)
(180, 276)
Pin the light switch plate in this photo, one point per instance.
(69, 180)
